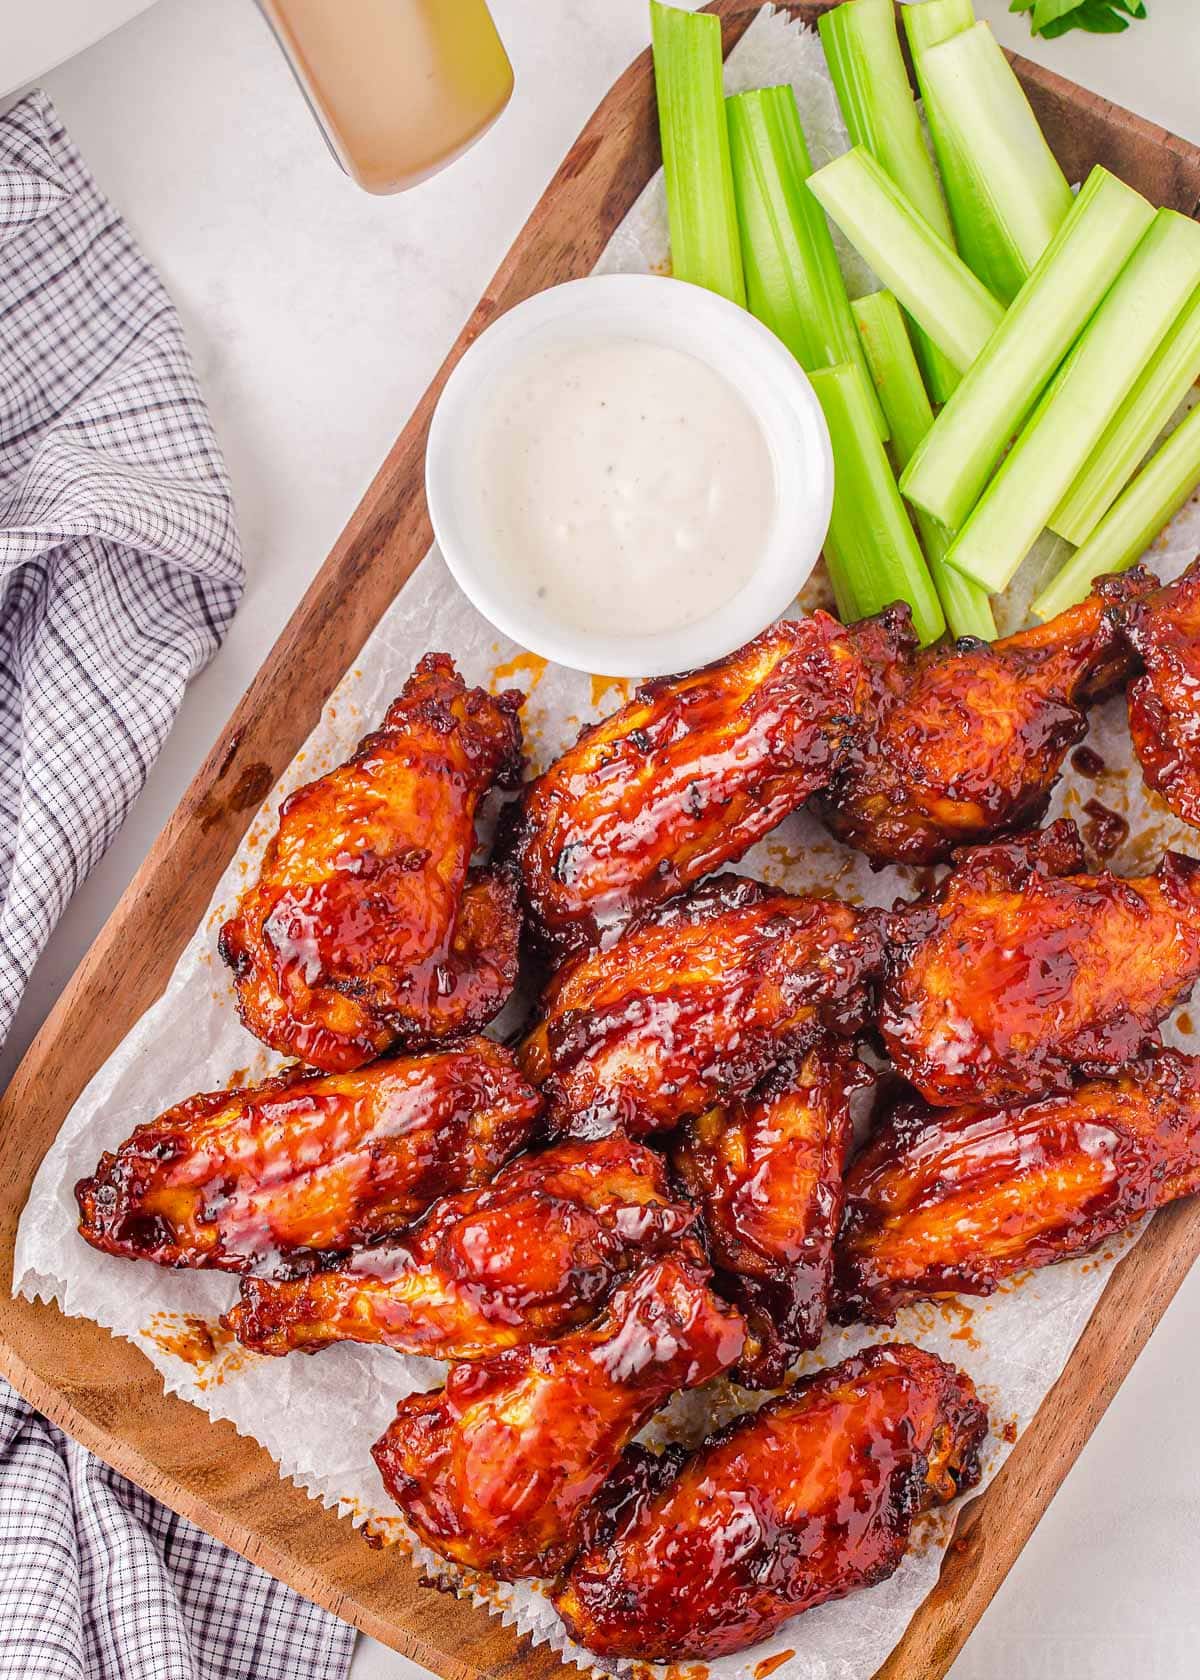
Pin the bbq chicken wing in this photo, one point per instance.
(1020, 974)
(767, 1175)
(695, 1003)
(532, 1254)
(236, 1179)
(496, 1470)
(802, 1502)
(367, 928)
(965, 744)
(1164, 702)
(945, 1200)
(692, 772)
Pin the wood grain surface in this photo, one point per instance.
(102, 1390)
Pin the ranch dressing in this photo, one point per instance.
(625, 485)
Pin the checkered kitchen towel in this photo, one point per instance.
(120, 571)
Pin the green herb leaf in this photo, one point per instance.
(1051, 18)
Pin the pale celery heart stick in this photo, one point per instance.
(871, 550)
(862, 49)
(950, 469)
(909, 415)
(932, 283)
(793, 282)
(695, 145)
(1007, 195)
(1161, 388)
(1086, 393)
(1132, 523)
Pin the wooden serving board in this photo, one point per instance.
(101, 1389)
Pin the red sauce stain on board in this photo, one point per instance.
(603, 686)
(1009, 1431)
(203, 1343)
(769, 1664)
(1185, 1023)
(1105, 831)
(530, 667)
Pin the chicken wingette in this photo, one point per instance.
(964, 744)
(530, 1255)
(766, 1173)
(692, 771)
(236, 1179)
(496, 1470)
(1019, 974)
(802, 1502)
(1164, 701)
(367, 927)
(695, 1003)
(956, 1200)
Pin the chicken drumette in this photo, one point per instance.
(1164, 702)
(693, 771)
(367, 927)
(496, 1470)
(696, 1002)
(964, 744)
(787, 1508)
(235, 1179)
(1020, 974)
(767, 1175)
(532, 1254)
(945, 1200)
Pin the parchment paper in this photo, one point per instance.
(318, 1416)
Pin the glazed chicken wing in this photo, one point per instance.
(235, 1179)
(965, 744)
(958, 1199)
(1020, 974)
(495, 1471)
(802, 1502)
(767, 1174)
(532, 1254)
(1164, 703)
(692, 772)
(695, 1003)
(367, 927)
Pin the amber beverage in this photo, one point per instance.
(399, 87)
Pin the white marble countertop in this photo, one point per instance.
(317, 315)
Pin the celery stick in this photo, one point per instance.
(1007, 194)
(1084, 396)
(932, 21)
(1132, 523)
(936, 288)
(949, 471)
(695, 148)
(1162, 386)
(862, 49)
(793, 282)
(871, 549)
(910, 415)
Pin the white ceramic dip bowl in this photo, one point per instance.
(679, 317)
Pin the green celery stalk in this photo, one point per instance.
(862, 49)
(871, 549)
(1082, 400)
(1134, 520)
(1007, 194)
(936, 288)
(793, 282)
(1161, 387)
(909, 415)
(949, 471)
(695, 147)
(933, 21)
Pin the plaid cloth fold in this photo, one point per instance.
(120, 572)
